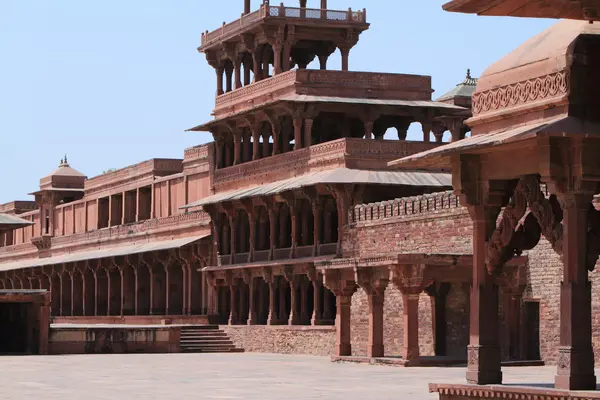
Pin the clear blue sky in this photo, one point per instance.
(112, 83)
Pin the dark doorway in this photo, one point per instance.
(14, 332)
(531, 329)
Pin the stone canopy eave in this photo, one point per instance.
(563, 126)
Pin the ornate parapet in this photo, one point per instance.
(405, 207)
(324, 83)
(272, 13)
(346, 152)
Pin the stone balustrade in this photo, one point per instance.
(324, 83)
(116, 232)
(267, 11)
(408, 206)
(346, 152)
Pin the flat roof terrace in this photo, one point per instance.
(361, 86)
(273, 15)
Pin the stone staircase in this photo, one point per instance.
(206, 339)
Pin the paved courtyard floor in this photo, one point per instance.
(225, 376)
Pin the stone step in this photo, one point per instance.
(205, 340)
(208, 340)
(200, 327)
(203, 335)
(223, 349)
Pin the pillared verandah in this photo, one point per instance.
(535, 120)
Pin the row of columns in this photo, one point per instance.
(149, 284)
(277, 226)
(270, 135)
(268, 299)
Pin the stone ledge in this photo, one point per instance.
(284, 327)
(474, 392)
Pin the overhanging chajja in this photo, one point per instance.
(557, 126)
(101, 253)
(330, 177)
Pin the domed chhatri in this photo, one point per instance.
(462, 93)
(63, 179)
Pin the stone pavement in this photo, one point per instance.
(225, 376)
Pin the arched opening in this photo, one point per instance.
(115, 291)
(67, 294)
(78, 300)
(89, 296)
(102, 295)
(285, 227)
(176, 288)
(159, 302)
(55, 294)
(143, 289)
(224, 243)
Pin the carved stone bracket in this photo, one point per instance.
(372, 280)
(338, 284)
(411, 279)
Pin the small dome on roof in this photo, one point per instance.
(64, 169)
(463, 89)
(63, 177)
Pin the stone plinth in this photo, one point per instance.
(474, 392)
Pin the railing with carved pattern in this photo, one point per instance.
(267, 11)
(337, 153)
(409, 206)
(196, 152)
(320, 82)
(147, 226)
(280, 254)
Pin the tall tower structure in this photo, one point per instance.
(295, 149)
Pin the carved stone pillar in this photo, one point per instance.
(232, 234)
(229, 78)
(308, 124)
(247, 145)
(256, 66)
(315, 279)
(297, 133)
(237, 148)
(294, 317)
(238, 74)
(252, 222)
(575, 354)
(220, 71)
(265, 152)
(275, 135)
(256, 142)
(252, 311)
(345, 51)
(270, 280)
(374, 282)
(343, 289)
(411, 280)
(484, 363)
(277, 47)
(233, 313)
(368, 129)
(317, 209)
(272, 232)
(426, 131)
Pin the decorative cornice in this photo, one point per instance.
(546, 87)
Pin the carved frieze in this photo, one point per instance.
(545, 87)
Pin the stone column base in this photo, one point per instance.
(484, 366)
(575, 369)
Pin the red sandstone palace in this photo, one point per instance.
(296, 231)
